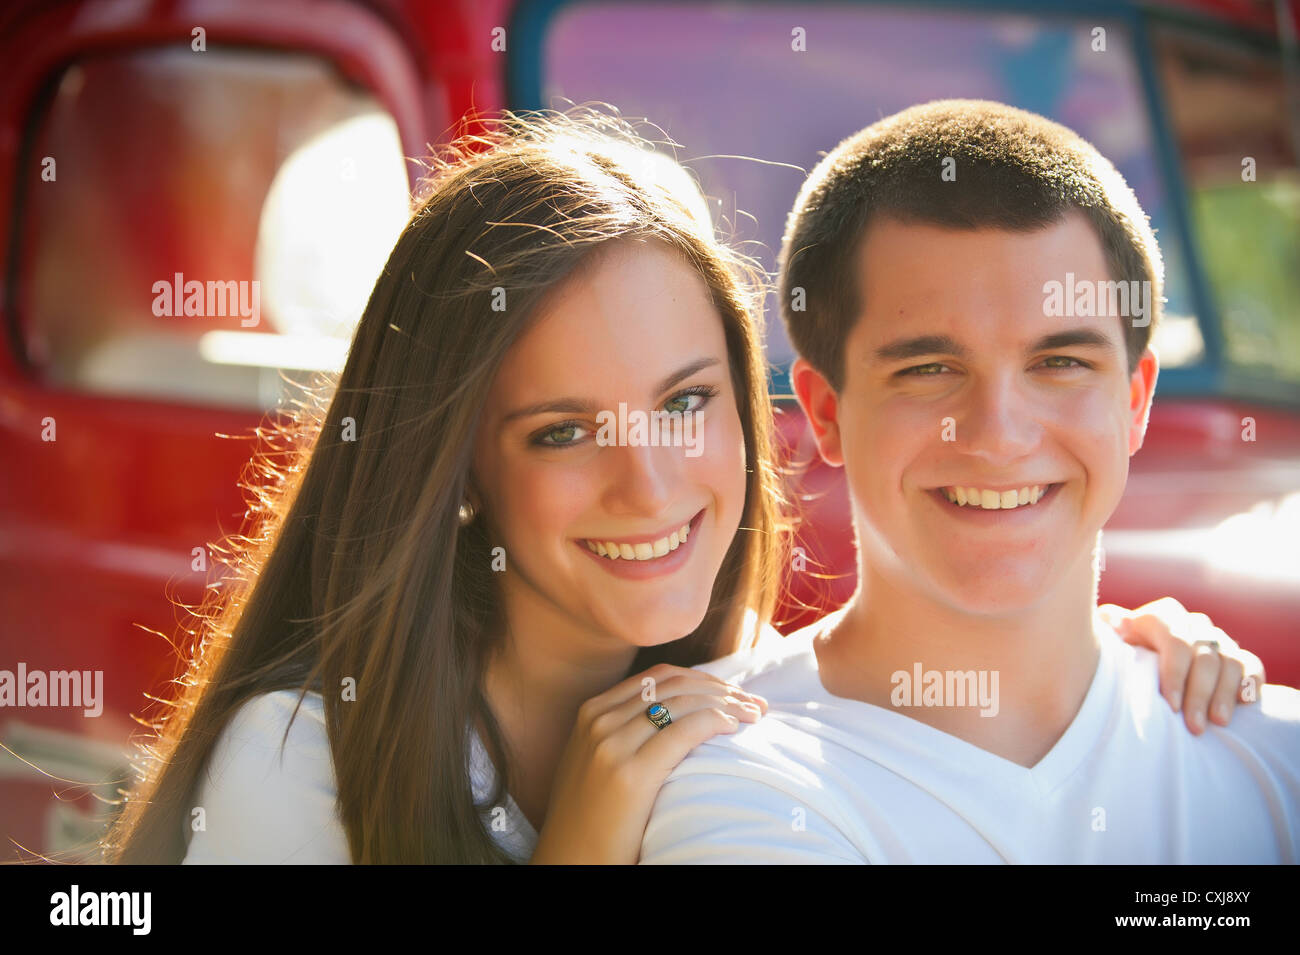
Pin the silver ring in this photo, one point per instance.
(1212, 644)
(658, 714)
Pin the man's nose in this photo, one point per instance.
(1000, 423)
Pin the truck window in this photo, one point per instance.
(1238, 141)
(858, 63)
(203, 227)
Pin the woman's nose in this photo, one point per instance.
(645, 479)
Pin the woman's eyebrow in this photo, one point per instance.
(685, 372)
(584, 406)
(555, 406)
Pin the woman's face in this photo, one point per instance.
(563, 469)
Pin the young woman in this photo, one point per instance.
(460, 600)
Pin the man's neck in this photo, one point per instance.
(1038, 663)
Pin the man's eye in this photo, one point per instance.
(559, 436)
(1061, 361)
(933, 368)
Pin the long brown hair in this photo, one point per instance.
(353, 564)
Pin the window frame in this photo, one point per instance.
(1211, 375)
(353, 40)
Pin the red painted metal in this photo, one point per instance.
(96, 529)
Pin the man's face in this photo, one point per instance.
(956, 378)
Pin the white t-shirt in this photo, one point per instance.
(824, 779)
(264, 806)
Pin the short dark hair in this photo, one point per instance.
(1015, 170)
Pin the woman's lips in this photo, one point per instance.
(634, 569)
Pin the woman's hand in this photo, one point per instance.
(616, 760)
(1193, 676)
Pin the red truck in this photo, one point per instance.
(145, 146)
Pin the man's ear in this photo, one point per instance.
(1141, 388)
(820, 404)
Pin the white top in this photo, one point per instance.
(265, 806)
(824, 779)
(262, 806)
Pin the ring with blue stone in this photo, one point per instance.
(658, 714)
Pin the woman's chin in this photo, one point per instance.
(656, 627)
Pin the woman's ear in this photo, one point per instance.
(472, 495)
(820, 404)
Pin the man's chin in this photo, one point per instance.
(994, 592)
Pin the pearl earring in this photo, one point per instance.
(466, 513)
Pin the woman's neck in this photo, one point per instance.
(542, 674)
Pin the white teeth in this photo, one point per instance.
(995, 500)
(646, 550)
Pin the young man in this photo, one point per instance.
(972, 289)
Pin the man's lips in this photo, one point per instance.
(978, 499)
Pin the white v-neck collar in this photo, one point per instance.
(879, 733)
(971, 781)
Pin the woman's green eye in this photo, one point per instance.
(569, 433)
(693, 399)
(560, 436)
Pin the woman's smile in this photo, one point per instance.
(639, 557)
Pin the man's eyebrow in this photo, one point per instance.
(1073, 337)
(904, 348)
(584, 406)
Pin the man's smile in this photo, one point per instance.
(995, 499)
(988, 502)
